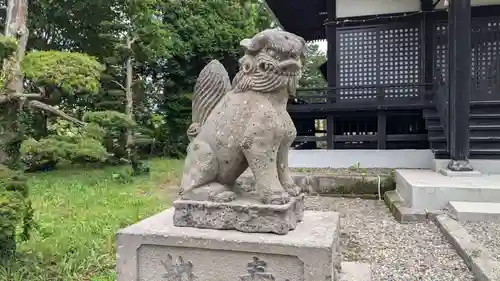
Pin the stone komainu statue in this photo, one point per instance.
(245, 124)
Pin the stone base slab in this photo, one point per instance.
(156, 250)
(475, 256)
(242, 215)
(450, 173)
(484, 166)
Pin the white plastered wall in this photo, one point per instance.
(356, 8)
(440, 5)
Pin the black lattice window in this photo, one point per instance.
(485, 56)
(379, 56)
(441, 52)
(358, 64)
(400, 61)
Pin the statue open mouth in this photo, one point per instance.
(279, 74)
(288, 68)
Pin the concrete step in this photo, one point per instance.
(475, 211)
(429, 190)
(355, 271)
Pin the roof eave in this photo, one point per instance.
(269, 10)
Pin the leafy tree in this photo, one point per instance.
(204, 30)
(45, 71)
(311, 75)
(92, 143)
(259, 13)
(139, 38)
(71, 25)
(193, 33)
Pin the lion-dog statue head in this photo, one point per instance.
(272, 62)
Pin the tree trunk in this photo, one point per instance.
(15, 26)
(130, 102)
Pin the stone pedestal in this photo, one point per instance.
(156, 250)
(244, 215)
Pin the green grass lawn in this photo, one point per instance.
(78, 213)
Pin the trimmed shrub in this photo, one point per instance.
(16, 213)
(76, 145)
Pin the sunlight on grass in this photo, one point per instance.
(78, 213)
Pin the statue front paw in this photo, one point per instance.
(277, 198)
(213, 191)
(292, 189)
(223, 197)
(271, 191)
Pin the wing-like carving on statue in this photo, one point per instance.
(212, 84)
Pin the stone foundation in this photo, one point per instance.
(156, 250)
(242, 215)
(331, 184)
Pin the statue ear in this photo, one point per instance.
(247, 44)
(254, 44)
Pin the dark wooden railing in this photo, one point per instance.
(361, 117)
(361, 97)
(374, 132)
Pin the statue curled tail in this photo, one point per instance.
(211, 86)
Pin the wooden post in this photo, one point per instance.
(330, 131)
(331, 37)
(459, 75)
(381, 129)
(331, 64)
(428, 44)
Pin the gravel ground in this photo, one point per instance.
(488, 234)
(397, 252)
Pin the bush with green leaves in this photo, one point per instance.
(67, 143)
(72, 72)
(110, 119)
(8, 45)
(15, 211)
(177, 121)
(100, 140)
(115, 125)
